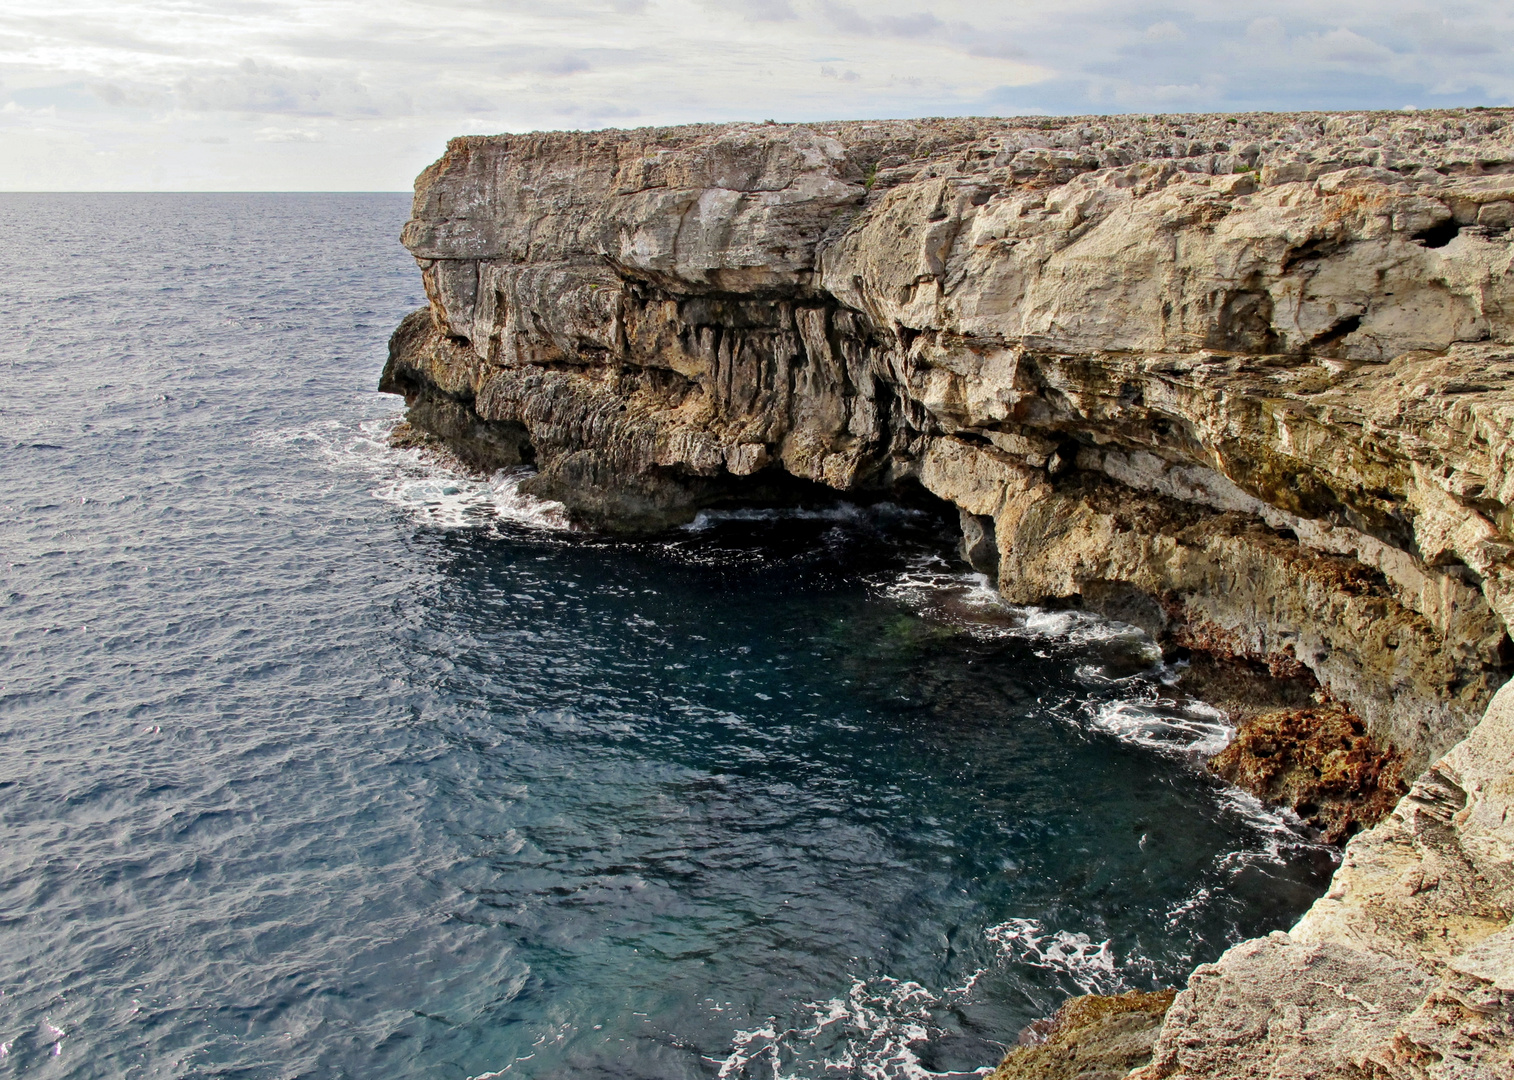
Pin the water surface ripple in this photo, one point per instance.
(318, 759)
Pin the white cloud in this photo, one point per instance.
(1267, 31)
(144, 93)
(274, 134)
(756, 10)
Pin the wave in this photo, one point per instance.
(841, 513)
(874, 1030)
(971, 602)
(1278, 830)
(871, 1032)
(1163, 724)
(430, 485)
(1087, 964)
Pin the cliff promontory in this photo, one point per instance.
(1245, 381)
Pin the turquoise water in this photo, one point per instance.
(321, 759)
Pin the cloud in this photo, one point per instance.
(296, 135)
(1266, 31)
(381, 85)
(251, 87)
(911, 24)
(566, 64)
(756, 10)
(1342, 46)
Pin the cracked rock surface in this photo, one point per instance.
(1244, 381)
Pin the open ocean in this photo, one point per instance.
(321, 759)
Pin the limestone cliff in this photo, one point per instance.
(1246, 381)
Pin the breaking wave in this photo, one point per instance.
(872, 1032)
(1163, 724)
(1089, 965)
(970, 602)
(429, 485)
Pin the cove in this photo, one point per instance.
(323, 759)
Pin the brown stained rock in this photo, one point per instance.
(1404, 970)
(1091, 1038)
(1318, 761)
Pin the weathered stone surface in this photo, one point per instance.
(1246, 381)
(1404, 969)
(1293, 335)
(1276, 1008)
(1091, 1038)
(1318, 761)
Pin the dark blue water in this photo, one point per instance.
(319, 759)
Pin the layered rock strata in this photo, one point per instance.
(1243, 381)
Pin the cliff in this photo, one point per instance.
(1244, 381)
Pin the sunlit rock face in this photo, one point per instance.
(1241, 380)
(1245, 381)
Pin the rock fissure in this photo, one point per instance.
(1246, 382)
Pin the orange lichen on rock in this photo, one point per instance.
(1318, 761)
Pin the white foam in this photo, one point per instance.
(837, 512)
(430, 485)
(971, 602)
(1088, 964)
(708, 519)
(1165, 725)
(1278, 829)
(869, 1032)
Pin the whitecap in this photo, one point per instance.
(971, 602)
(1088, 964)
(429, 485)
(1163, 724)
(840, 513)
(709, 519)
(1277, 828)
(871, 1031)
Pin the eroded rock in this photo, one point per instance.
(1245, 381)
(1248, 385)
(1090, 1038)
(1318, 762)
(1404, 969)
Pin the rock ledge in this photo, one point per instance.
(1244, 381)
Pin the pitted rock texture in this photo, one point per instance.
(1403, 970)
(1242, 380)
(1317, 761)
(1245, 381)
(1092, 1037)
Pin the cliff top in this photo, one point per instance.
(1449, 141)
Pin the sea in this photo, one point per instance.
(320, 758)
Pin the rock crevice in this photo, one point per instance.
(1245, 381)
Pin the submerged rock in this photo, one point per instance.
(1244, 381)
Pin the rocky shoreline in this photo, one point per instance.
(1244, 381)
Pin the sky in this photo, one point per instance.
(359, 95)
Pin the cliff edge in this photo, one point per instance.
(1245, 381)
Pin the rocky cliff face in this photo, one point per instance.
(1246, 381)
